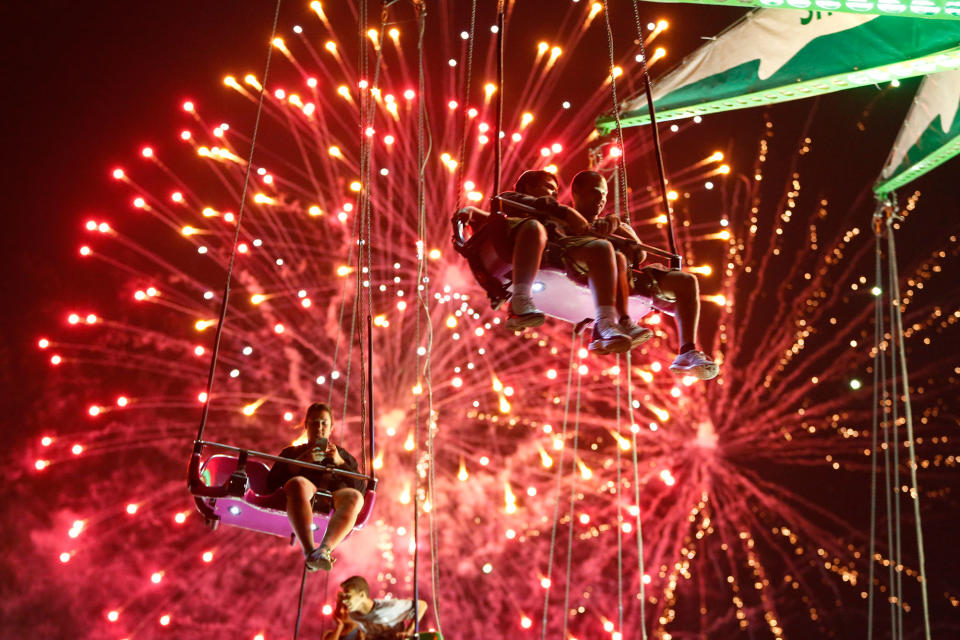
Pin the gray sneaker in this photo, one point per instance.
(523, 314)
(637, 334)
(695, 363)
(319, 558)
(608, 337)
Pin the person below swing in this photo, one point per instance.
(664, 287)
(301, 485)
(527, 237)
(360, 617)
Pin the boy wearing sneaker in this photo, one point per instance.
(582, 254)
(301, 484)
(669, 289)
(589, 191)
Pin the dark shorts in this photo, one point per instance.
(504, 232)
(557, 254)
(646, 282)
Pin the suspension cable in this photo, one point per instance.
(636, 497)
(425, 328)
(621, 173)
(498, 149)
(197, 446)
(675, 263)
(468, 79)
(619, 495)
(877, 336)
(897, 551)
(574, 348)
(573, 495)
(899, 345)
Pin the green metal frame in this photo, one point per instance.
(942, 61)
(937, 9)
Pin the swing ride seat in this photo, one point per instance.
(258, 509)
(554, 292)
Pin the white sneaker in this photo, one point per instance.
(523, 314)
(608, 337)
(637, 334)
(695, 363)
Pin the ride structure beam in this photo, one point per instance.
(777, 55)
(937, 9)
(930, 134)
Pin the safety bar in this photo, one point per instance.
(197, 488)
(660, 253)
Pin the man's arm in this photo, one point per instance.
(548, 207)
(421, 609)
(472, 216)
(343, 625)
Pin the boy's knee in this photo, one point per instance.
(599, 248)
(691, 282)
(684, 284)
(299, 487)
(533, 229)
(621, 261)
(350, 500)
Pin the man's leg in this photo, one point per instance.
(530, 240)
(684, 289)
(347, 504)
(599, 258)
(637, 334)
(623, 286)
(299, 492)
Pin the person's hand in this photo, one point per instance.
(606, 225)
(576, 223)
(546, 203)
(341, 613)
(333, 454)
(313, 455)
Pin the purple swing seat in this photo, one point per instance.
(258, 509)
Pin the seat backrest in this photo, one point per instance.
(490, 271)
(257, 471)
(218, 468)
(364, 516)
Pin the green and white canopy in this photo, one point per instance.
(776, 55)
(941, 9)
(930, 135)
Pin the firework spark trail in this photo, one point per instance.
(711, 519)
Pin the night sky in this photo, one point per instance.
(88, 83)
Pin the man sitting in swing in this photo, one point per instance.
(664, 287)
(522, 239)
(301, 485)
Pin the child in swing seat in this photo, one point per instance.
(522, 239)
(666, 287)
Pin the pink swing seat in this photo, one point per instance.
(258, 509)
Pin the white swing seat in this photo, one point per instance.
(554, 292)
